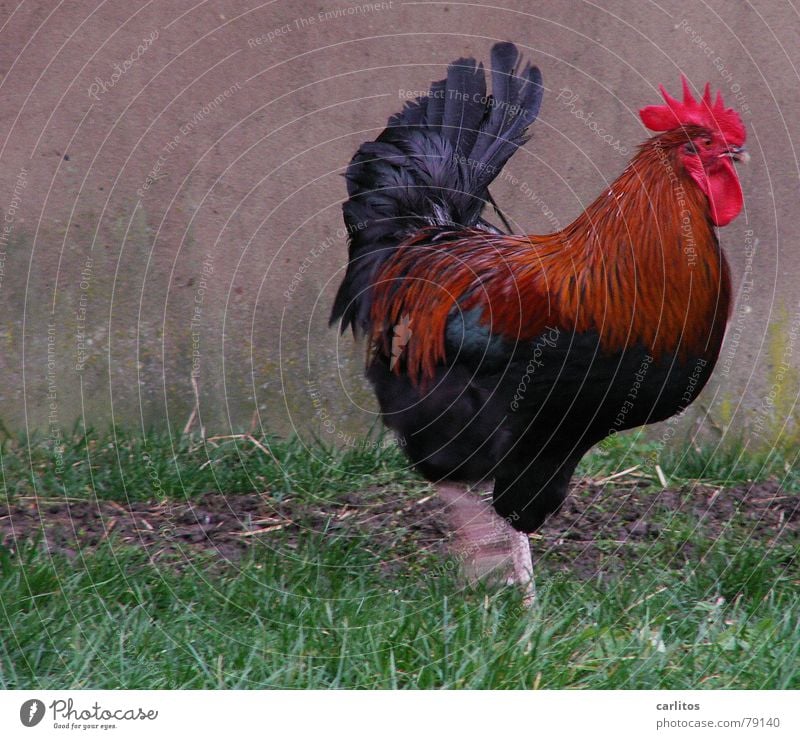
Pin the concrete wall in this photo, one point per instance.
(171, 189)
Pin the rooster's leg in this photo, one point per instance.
(523, 566)
(484, 543)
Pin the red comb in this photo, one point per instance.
(714, 116)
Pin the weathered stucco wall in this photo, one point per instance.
(171, 189)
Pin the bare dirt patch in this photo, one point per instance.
(613, 525)
(598, 524)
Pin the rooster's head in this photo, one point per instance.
(715, 137)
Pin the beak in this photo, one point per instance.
(738, 154)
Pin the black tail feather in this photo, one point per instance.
(464, 113)
(432, 166)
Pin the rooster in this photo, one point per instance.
(504, 358)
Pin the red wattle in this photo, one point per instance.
(725, 194)
(722, 188)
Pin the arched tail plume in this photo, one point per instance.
(432, 165)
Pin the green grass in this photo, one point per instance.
(324, 611)
(324, 616)
(723, 463)
(116, 466)
(126, 467)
